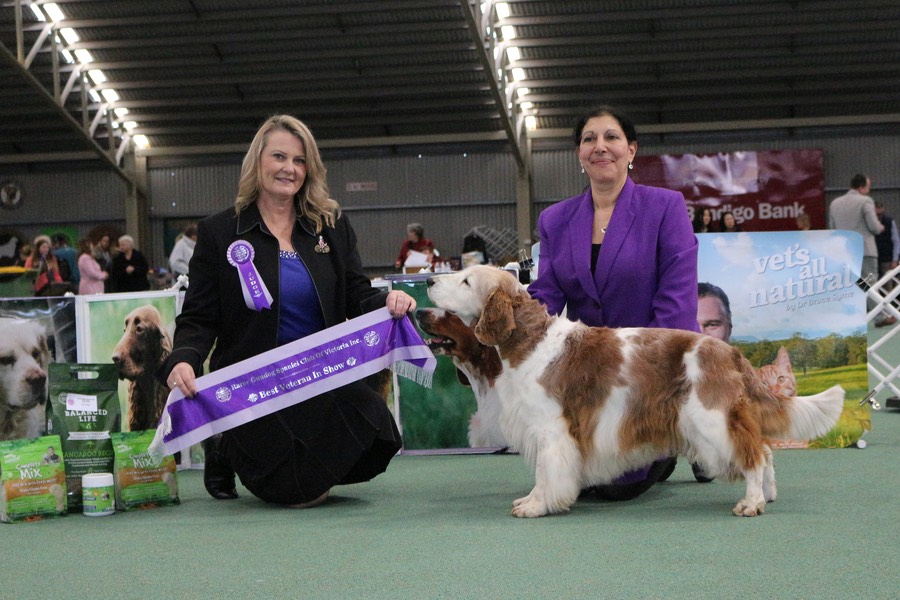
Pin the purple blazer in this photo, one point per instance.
(646, 273)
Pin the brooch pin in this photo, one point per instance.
(322, 247)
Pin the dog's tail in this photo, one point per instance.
(812, 416)
(797, 418)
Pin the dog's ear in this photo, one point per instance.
(497, 320)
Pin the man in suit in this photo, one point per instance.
(855, 211)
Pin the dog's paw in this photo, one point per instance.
(530, 508)
(746, 508)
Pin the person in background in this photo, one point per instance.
(25, 251)
(46, 264)
(713, 311)
(855, 211)
(619, 254)
(888, 244)
(415, 240)
(64, 252)
(103, 253)
(181, 254)
(703, 220)
(129, 268)
(305, 252)
(92, 276)
(728, 224)
(803, 222)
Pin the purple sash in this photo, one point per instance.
(290, 374)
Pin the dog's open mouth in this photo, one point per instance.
(440, 343)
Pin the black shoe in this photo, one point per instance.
(218, 476)
(629, 491)
(670, 468)
(700, 474)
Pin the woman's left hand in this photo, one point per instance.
(399, 303)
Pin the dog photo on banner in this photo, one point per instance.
(134, 332)
(796, 313)
(35, 332)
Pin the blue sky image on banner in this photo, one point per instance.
(783, 282)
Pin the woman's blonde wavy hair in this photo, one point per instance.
(313, 198)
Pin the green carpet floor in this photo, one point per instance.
(439, 527)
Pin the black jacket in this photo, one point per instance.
(214, 311)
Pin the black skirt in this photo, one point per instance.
(297, 454)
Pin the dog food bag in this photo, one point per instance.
(83, 409)
(139, 482)
(32, 479)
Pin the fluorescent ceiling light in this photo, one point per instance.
(508, 32)
(97, 76)
(141, 141)
(53, 11)
(68, 56)
(522, 91)
(513, 53)
(69, 35)
(38, 14)
(518, 74)
(83, 56)
(531, 122)
(129, 125)
(120, 111)
(502, 9)
(526, 105)
(110, 95)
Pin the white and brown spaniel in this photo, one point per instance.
(585, 404)
(477, 366)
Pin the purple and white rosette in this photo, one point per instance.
(290, 374)
(256, 294)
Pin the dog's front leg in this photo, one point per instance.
(753, 503)
(556, 477)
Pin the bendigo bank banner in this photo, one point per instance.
(765, 190)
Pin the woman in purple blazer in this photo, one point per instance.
(619, 254)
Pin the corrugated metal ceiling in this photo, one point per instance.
(200, 75)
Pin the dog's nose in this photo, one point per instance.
(429, 282)
(116, 358)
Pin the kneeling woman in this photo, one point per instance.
(305, 253)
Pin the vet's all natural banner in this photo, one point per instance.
(796, 311)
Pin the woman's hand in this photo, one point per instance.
(399, 303)
(182, 377)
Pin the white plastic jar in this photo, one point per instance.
(98, 494)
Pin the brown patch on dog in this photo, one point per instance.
(496, 321)
(581, 379)
(465, 347)
(745, 434)
(654, 401)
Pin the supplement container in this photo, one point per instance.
(98, 494)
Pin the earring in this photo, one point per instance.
(630, 166)
(582, 168)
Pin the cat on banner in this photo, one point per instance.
(290, 374)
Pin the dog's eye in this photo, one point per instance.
(7, 360)
(466, 281)
(36, 355)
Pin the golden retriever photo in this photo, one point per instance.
(143, 347)
(24, 356)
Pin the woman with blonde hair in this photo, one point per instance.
(290, 236)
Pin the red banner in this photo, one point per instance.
(765, 190)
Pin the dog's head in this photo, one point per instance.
(451, 337)
(479, 293)
(24, 356)
(144, 344)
